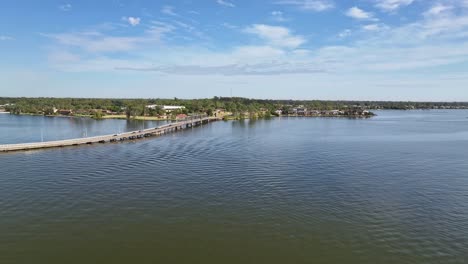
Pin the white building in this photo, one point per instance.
(167, 108)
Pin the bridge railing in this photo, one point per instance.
(192, 118)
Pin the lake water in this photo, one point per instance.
(391, 189)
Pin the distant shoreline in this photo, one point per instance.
(227, 118)
(228, 108)
(117, 117)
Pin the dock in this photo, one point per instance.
(132, 135)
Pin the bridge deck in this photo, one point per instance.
(172, 127)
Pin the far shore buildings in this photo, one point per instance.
(4, 107)
(302, 111)
(65, 111)
(181, 116)
(167, 108)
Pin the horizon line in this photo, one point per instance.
(232, 97)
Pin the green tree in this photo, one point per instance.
(98, 114)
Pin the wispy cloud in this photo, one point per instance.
(436, 39)
(99, 42)
(392, 5)
(437, 10)
(345, 33)
(278, 16)
(245, 53)
(357, 13)
(134, 21)
(169, 10)
(309, 5)
(374, 27)
(225, 3)
(95, 42)
(229, 25)
(272, 68)
(276, 36)
(5, 38)
(189, 28)
(65, 7)
(240, 61)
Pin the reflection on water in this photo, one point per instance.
(392, 189)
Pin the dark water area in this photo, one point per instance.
(390, 189)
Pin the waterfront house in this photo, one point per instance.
(181, 116)
(65, 111)
(4, 107)
(314, 113)
(167, 108)
(220, 112)
(301, 111)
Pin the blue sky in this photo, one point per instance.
(290, 49)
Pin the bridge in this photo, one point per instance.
(132, 135)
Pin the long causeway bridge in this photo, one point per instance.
(132, 135)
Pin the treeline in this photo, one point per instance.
(234, 105)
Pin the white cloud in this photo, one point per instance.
(278, 16)
(97, 42)
(134, 21)
(169, 10)
(241, 61)
(229, 25)
(5, 38)
(189, 28)
(371, 27)
(437, 10)
(272, 68)
(392, 5)
(374, 27)
(434, 41)
(276, 36)
(443, 20)
(357, 13)
(309, 5)
(65, 7)
(225, 3)
(345, 33)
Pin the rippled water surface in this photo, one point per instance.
(391, 189)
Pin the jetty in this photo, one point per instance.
(188, 122)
